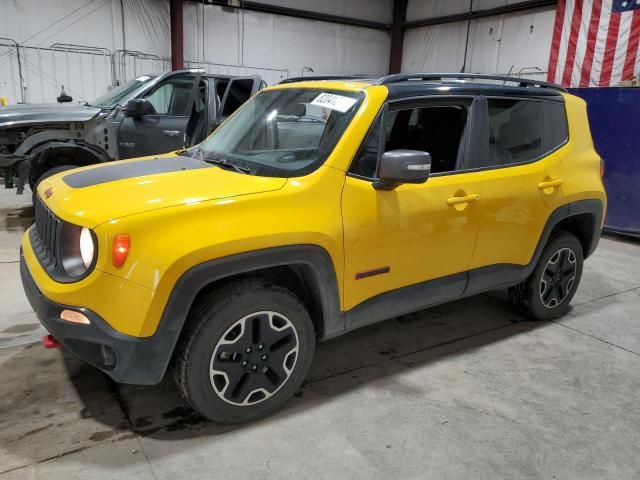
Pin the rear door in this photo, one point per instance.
(163, 130)
(523, 176)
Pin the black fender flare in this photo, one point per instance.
(506, 275)
(152, 355)
(593, 207)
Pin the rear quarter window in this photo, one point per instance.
(522, 130)
(557, 118)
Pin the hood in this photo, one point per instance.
(93, 195)
(46, 113)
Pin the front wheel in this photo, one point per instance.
(547, 292)
(248, 351)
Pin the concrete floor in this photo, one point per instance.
(466, 390)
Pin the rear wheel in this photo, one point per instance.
(248, 351)
(547, 292)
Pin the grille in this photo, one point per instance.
(46, 235)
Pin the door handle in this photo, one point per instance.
(473, 197)
(550, 184)
(171, 133)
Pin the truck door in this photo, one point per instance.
(163, 130)
(238, 91)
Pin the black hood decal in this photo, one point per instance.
(120, 171)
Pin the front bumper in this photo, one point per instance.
(126, 359)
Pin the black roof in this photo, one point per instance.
(327, 77)
(405, 85)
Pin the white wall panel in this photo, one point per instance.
(228, 41)
(526, 40)
(486, 4)
(515, 42)
(421, 9)
(97, 23)
(373, 10)
(283, 42)
(434, 49)
(31, 22)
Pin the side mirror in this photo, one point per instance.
(138, 107)
(402, 166)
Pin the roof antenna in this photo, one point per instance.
(63, 97)
(466, 43)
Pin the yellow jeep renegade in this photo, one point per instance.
(318, 207)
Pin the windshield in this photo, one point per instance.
(283, 133)
(114, 96)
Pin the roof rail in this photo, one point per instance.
(522, 82)
(324, 77)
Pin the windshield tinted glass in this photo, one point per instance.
(114, 96)
(283, 133)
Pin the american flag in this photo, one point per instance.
(595, 42)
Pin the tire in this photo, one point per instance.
(547, 292)
(48, 173)
(220, 365)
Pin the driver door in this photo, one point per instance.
(410, 247)
(163, 130)
(238, 91)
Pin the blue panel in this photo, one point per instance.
(614, 115)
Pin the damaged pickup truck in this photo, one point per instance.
(148, 115)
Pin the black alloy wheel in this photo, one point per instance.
(254, 358)
(246, 350)
(547, 292)
(558, 278)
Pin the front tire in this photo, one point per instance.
(248, 350)
(547, 292)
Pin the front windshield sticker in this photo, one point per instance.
(143, 78)
(334, 102)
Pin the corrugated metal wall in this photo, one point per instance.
(220, 40)
(510, 43)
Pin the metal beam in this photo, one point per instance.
(296, 13)
(490, 12)
(397, 35)
(177, 35)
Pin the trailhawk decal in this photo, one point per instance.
(120, 171)
(371, 273)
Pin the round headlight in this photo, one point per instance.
(87, 249)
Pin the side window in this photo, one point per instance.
(437, 129)
(171, 97)
(239, 92)
(557, 119)
(221, 87)
(515, 131)
(524, 130)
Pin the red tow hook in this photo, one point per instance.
(49, 341)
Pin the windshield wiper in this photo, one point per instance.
(223, 163)
(188, 152)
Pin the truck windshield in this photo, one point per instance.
(283, 133)
(115, 96)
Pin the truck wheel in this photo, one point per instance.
(48, 173)
(247, 352)
(546, 294)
